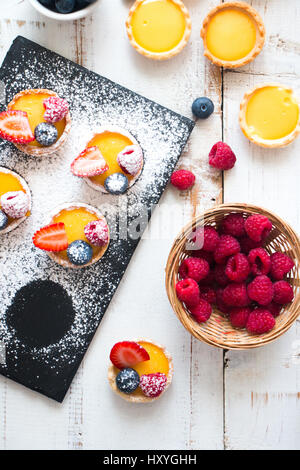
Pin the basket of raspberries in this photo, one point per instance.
(232, 276)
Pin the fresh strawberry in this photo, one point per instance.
(15, 127)
(128, 354)
(51, 238)
(89, 163)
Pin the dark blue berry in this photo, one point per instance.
(117, 183)
(203, 107)
(3, 220)
(127, 380)
(47, 3)
(79, 252)
(65, 6)
(81, 4)
(45, 134)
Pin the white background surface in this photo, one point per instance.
(231, 400)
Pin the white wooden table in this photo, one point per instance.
(231, 400)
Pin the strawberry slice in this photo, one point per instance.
(15, 127)
(51, 238)
(89, 163)
(128, 354)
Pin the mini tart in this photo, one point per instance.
(143, 368)
(90, 213)
(25, 101)
(168, 28)
(121, 139)
(11, 181)
(233, 34)
(270, 115)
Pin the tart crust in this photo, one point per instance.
(112, 374)
(42, 151)
(69, 206)
(276, 143)
(119, 130)
(160, 55)
(16, 222)
(260, 35)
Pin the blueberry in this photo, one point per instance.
(45, 134)
(79, 252)
(81, 4)
(65, 6)
(47, 3)
(127, 380)
(3, 220)
(203, 107)
(117, 183)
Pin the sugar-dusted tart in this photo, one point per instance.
(158, 29)
(140, 371)
(270, 115)
(15, 200)
(111, 162)
(77, 236)
(233, 34)
(37, 122)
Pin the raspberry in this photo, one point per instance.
(227, 246)
(207, 255)
(281, 264)
(208, 280)
(261, 290)
(130, 159)
(153, 385)
(221, 156)
(56, 109)
(208, 294)
(220, 275)
(188, 292)
(194, 268)
(233, 224)
(260, 321)
(283, 292)
(202, 311)
(260, 261)
(97, 232)
(237, 268)
(220, 302)
(274, 309)
(258, 227)
(183, 179)
(247, 244)
(239, 316)
(15, 204)
(206, 238)
(235, 295)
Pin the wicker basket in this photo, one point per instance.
(218, 331)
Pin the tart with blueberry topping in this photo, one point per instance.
(77, 236)
(140, 371)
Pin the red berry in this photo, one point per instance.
(97, 232)
(235, 295)
(233, 224)
(56, 109)
(152, 385)
(237, 268)
(227, 246)
(260, 321)
(261, 290)
(220, 275)
(51, 238)
(89, 163)
(15, 204)
(188, 292)
(15, 127)
(247, 245)
(258, 227)
(206, 238)
(130, 159)
(281, 265)
(274, 309)
(202, 311)
(220, 302)
(260, 261)
(128, 354)
(207, 255)
(208, 294)
(239, 316)
(283, 292)
(208, 280)
(194, 268)
(221, 156)
(183, 179)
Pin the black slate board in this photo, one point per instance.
(49, 315)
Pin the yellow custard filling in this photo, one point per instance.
(9, 182)
(75, 220)
(110, 145)
(158, 25)
(32, 104)
(231, 34)
(272, 113)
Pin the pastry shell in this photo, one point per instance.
(113, 371)
(160, 55)
(42, 151)
(16, 222)
(260, 35)
(267, 143)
